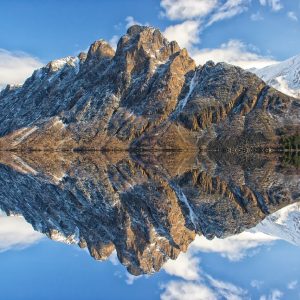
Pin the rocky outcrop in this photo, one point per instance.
(147, 207)
(149, 94)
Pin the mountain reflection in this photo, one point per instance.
(147, 206)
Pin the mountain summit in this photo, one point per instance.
(148, 94)
(284, 76)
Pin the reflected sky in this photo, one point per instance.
(171, 226)
(247, 266)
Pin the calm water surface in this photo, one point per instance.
(149, 226)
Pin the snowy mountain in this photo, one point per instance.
(284, 76)
(283, 224)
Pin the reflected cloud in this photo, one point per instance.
(256, 284)
(274, 295)
(185, 266)
(235, 247)
(197, 284)
(206, 288)
(182, 290)
(292, 285)
(16, 233)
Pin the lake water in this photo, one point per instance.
(171, 225)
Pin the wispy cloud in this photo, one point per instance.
(207, 11)
(274, 295)
(130, 21)
(181, 290)
(234, 52)
(256, 284)
(292, 15)
(275, 5)
(257, 16)
(206, 288)
(197, 15)
(228, 10)
(292, 285)
(195, 283)
(15, 67)
(188, 9)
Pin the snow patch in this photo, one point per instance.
(183, 102)
(182, 197)
(24, 136)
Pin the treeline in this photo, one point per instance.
(291, 143)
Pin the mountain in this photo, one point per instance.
(148, 95)
(283, 224)
(146, 206)
(284, 76)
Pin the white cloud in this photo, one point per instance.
(256, 284)
(114, 41)
(188, 9)
(226, 290)
(275, 5)
(186, 33)
(228, 10)
(234, 248)
(181, 290)
(197, 15)
(292, 16)
(113, 258)
(234, 52)
(207, 289)
(130, 279)
(257, 17)
(274, 295)
(15, 232)
(212, 10)
(15, 67)
(185, 266)
(292, 285)
(130, 21)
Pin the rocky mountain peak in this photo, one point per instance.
(100, 49)
(58, 64)
(142, 44)
(147, 95)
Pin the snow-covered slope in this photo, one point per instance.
(283, 224)
(284, 76)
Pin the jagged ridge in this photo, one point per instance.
(147, 207)
(149, 94)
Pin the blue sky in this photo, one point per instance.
(249, 33)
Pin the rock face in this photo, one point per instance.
(284, 76)
(146, 207)
(149, 94)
